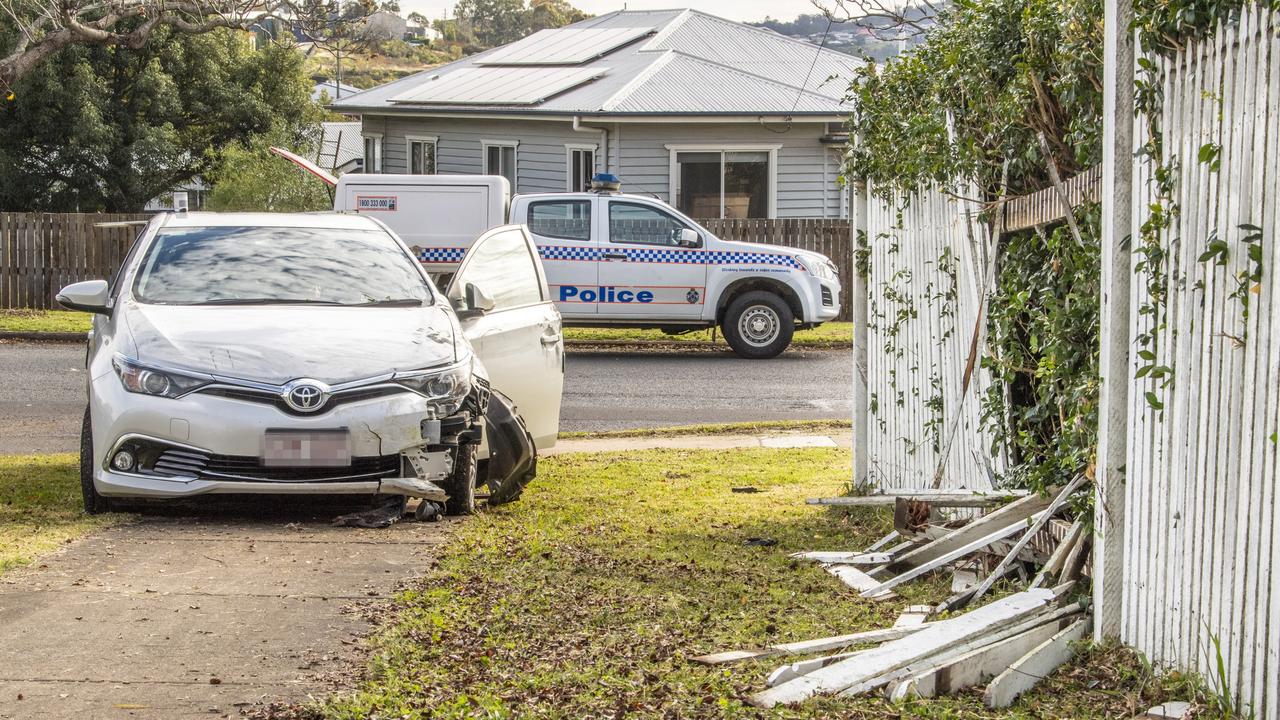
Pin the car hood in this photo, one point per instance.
(278, 343)
(733, 246)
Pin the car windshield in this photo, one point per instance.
(230, 265)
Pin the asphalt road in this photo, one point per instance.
(42, 391)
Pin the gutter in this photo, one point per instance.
(604, 139)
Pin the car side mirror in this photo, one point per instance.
(685, 237)
(475, 302)
(89, 296)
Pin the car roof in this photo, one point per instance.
(329, 220)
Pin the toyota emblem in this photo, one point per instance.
(305, 396)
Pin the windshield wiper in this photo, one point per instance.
(401, 302)
(265, 301)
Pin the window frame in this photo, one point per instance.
(771, 200)
(683, 222)
(433, 141)
(377, 152)
(570, 150)
(589, 202)
(515, 159)
(457, 285)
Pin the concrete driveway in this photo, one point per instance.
(198, 616)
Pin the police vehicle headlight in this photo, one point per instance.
(146, 380)
(822, 269)
(446, 388)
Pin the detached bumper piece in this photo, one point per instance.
(513, 460)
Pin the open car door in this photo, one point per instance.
(500, 294)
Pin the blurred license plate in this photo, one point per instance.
(306, 448)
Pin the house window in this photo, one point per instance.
(422, 155)
(581, 166)
(372, 153)
(724, 182)
(500, 159)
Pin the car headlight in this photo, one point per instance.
(146, 380)
(446, 388)
(821, 268)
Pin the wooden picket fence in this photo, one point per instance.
(827, 236)
(40, 253)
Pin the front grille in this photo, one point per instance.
(173, 462)
(266, 397)
(827, 299)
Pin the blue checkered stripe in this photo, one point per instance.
(441, 255)
(569, 252)
(668, 256)
(751, 258)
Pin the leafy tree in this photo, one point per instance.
(37, 30)
(543, 14)
(98, 128)
(493, 22)
(249, 177)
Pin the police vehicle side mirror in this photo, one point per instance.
(475, 302)
(685, 237)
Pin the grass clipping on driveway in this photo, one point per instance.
(588, 597)
(40, 507)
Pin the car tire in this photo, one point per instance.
(461, 484)
(94, 503)
(758, 325)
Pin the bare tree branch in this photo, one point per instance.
(44, 27)
(885, 20)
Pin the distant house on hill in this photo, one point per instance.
(385, 25)
(719, 118)
(333, 90)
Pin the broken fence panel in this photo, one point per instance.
(1037, 664)
(804, 647)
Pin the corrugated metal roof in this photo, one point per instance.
(666, 88)
(695, 64)
(340, 143)
(564, 46)
(498, 85)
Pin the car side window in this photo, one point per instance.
(635, 223)
(502, 266)
(561, 219)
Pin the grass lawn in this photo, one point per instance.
(40, 506)
(44, 321)
(829, 335)
(588, 597)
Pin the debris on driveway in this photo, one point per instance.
(384, 515)
(1009, 644)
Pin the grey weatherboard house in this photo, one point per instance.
(718, 118)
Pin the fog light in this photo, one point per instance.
(123, 460)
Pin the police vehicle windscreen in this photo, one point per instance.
(278, 265)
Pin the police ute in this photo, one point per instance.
(612, 259)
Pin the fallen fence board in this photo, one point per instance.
(845, 558)
(1059, 557)
(1028, 670)
(804, 647)
(859, 581)
(935, 638)
(940, 499)
(1015, 511)
(977, 666)
(998, 534)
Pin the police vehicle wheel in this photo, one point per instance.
(759, 325)
(461, 484)
(93, 502)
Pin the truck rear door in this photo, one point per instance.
(644, 272)
(562, 230)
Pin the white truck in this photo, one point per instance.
(611, 259)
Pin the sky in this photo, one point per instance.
(732, 9)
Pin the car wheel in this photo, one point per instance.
(758, 325)
(93, 502)
(461, 484)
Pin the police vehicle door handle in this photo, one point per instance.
(615, 256)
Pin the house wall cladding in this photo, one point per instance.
(1201, 526)
(807, 174)
(927, 258)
